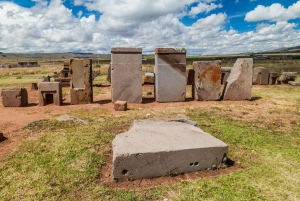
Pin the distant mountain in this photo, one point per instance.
(286, 49)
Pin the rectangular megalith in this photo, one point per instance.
(14, 97)
(126, 74)
(50, 92)
(81, 81)
(239, 82)
(207, 80)
(170, 74)
(273, 77)
(261, 76)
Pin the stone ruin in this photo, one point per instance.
(126, 74)
(190, 74)
(285, 77)
(260, 76)
(50, 92)
(81, 81)
(273, 77)
(170, 74)
(155, 148)
(64, 75)
(225, 74)
(207, 80)
(14, 97)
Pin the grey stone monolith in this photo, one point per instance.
(126, 74)
(170, 74)
(260, 76)
(239, 82)
(154, 148)
(207, 80)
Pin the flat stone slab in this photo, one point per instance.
(239, 82)
(154, 148)
(294, 83)
(207, 80)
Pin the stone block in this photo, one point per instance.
(50, 93)
(120, 105)
(294, 83)
(155, 148)
(14, 97)
(149, 78)
(190, 74)
(260, 76)
(273, 77)
(225, 74)
(285, 77)
(207, 80)
(126, 75)
(170, 74)
(34, 87)
(239, 82)
(81, 81)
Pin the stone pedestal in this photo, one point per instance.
(225, 74)
(260, 76)
(155, 148)
(170, 74)
(50, 93)
(126, 75)
(14, 97)
(239, 82)
(207, 80)
(81, 81)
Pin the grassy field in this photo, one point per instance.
(66, 159)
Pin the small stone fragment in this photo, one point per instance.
(120, 105)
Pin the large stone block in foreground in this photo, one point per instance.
(154, 148)
(126, 75)
(170, 74)
(207, 80)
(14, 97)
(239, 82)
(261, 76)
(50, 92)
(81, 81)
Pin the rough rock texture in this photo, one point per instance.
(170, 74)
(154, 148)
(34, 87)
(207, 80)
(50, 92)
(260, 76)
(126, 75)
(239, 82)
(294, 83)
(225, 74)
(285, 77)
(66, 117)
(120, 105)
(190, 74)
(273, 77)
(81, 81)
(14, 97)
(149, 78)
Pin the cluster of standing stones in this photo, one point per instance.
(153, 148)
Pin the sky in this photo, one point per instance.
(203, 27)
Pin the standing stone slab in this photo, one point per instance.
(225, 74)
(14, 97)
(239, 82)
(207, 80)
(50, 92)
(81, 81)
(260, 76)
(273, 77)
(170, 74)
(126, 75)
(154, 148)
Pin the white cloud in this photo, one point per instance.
(275, 12)
(203, 7)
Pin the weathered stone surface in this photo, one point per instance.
(207, 80)
(294, 83)
(239, 82)
(34, 87)
(170, 74)
(50, 92)
(46, 79)
(260, 76)
(126, 75)
(154, 148)
(149, 78)
(190, 74)
(66, 117)
(285, 77)
(273, 77)
(81, 81)
(120, 105)
(225, 74)
(14, 97)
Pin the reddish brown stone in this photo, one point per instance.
(120, 105)
(14, 97)
(34, 87)
(190, 73)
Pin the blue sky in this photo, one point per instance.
(201, 26)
